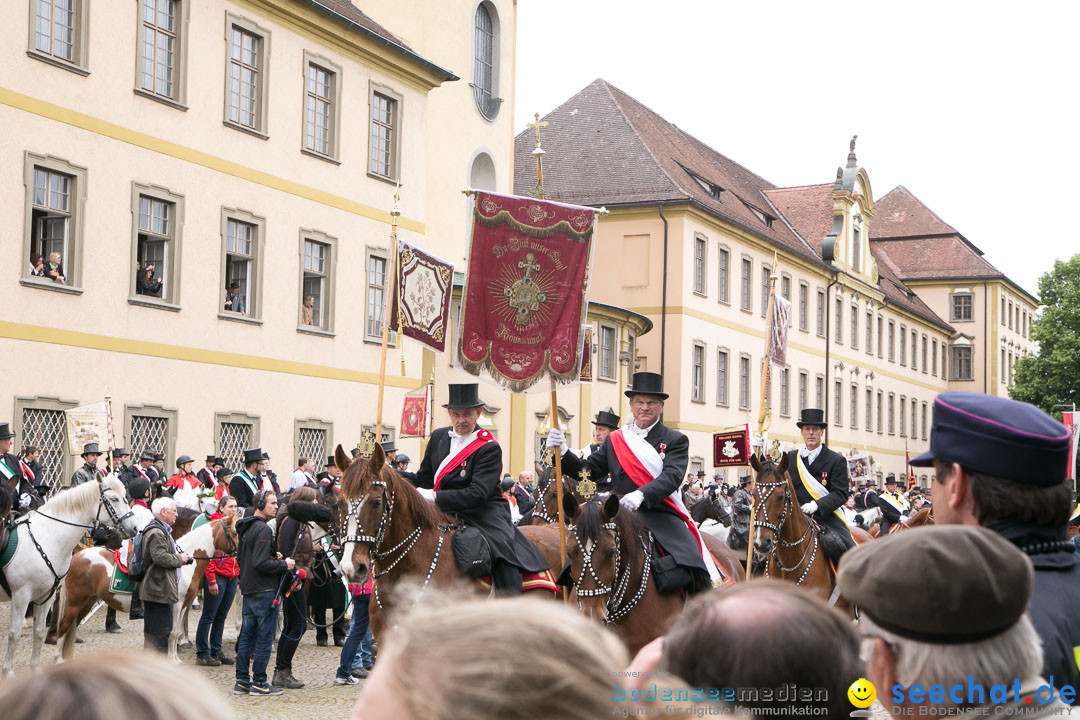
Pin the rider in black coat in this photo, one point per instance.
(829, 468)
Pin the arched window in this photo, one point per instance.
(485, 52)
(482, 173)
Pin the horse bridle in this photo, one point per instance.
(541, 492)
(811, 548)
(616, 608)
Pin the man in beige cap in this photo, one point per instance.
(956, 638)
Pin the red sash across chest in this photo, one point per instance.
(482, 438)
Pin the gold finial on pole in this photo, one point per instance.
(538, 153)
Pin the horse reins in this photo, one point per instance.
(616, 608)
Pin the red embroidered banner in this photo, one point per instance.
(414, 413)
(421, 296)
(526, 290)
(731, 448)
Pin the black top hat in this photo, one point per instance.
(211, 458)
(219, 461)
(890, 479)
(330, 461)
(158, 456)
(90, 449)
(266, 456)
(184, 459)
(647, 383)
(700, 473)
(5, 432)
(253, 455)
(812, 416)
(464, 395)
(607, 419)
(388, 446)
(120, 452)
(234, 285)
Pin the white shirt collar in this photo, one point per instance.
(811, 455)
(633, 429)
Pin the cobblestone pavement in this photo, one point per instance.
(320, 699)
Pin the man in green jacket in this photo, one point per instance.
(159, 587)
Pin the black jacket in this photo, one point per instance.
(206, 477)
(471, 490)
(524, 499)
(666, 526)
(20, 487)
(260, 569)
(889, 515)
(239, 489)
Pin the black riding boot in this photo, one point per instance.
(506, 578)
(136, 604)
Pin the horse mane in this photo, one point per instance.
(590, 523)
(358, 481)
(80, 497)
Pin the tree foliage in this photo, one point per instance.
(1052, 377)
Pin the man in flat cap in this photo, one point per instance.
(1002, 464)
(89, 471)
(958, 637)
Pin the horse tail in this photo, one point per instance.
(66, 643)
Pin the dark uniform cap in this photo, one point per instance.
(139, 489)
(976, 584)
(999, 437)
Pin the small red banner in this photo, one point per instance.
(414, 413)
(731, 448)
(526, 291)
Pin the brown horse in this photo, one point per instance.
(397, 536)
(610, 557)
(544, 512)
(91, 573)
(786, 537)
(925, 516)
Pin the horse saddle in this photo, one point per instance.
(9, 543)
(472, 552)
(832, 545)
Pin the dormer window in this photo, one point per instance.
(712, 190)
(856, 244)
(764, 217)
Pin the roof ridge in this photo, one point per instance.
(711, 150)
(608, 87)
(925, 207)
(801, 187)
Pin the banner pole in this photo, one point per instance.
(764, 415)
(109, 425)
(391, 278)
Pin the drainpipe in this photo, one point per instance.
(663, 296)
(828, 368)
(986, 340)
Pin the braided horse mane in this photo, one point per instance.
(358, 479)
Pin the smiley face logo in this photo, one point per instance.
(862, 693)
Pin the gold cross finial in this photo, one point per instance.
(397, 199)
(587, 487)
(536, 126)
(366, 446)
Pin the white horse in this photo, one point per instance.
(46, 539)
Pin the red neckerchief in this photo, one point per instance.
(482, 438)
(140, 502)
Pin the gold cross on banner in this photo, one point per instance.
(587, 487)
(366, 446)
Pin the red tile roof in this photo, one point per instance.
(809, 209)
(927, 258)
(900, 214)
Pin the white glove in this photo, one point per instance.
(555, 439)
(756, 441)
(631, 501)
(427, 493)
(25, 502)
(903, 518)
(810, 508)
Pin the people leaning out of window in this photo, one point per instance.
(54, 269)
(234, 300)
(145, 281)
(37, 265)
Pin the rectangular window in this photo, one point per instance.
(785, 287)
(838, 414)
(819, 391)
(55, 196)
(765, 273)
(933, 357)
(914, 350)
(377, 283)
(854, 412)
(158, 47)
(44, 426)
(317, 252)
(821, 313)
(856, 248)
(722, 377)
(923, 435)
(892, 414)
(892, 341)
(322, 95)
(785, 391)
(1010, 315)
(804, 291)
(157, 222)
(869, 410)
(384, 135)
(243, 247)
(606, 353)
(880, 405)
(745, 299)
(961, 307)
(699, 265)
(235, 433)
(58, 32)
(697, 393)
(944, 350)
(246, 80)
(1003, 310)
(803, 380)
(924, 351)
(839, 324)
(1004, 379)
(722, 278)
(744, 382)
(855, 326)
(869, 332)
(903, 345)
(903, 416)
(880, 336)
(914, 424)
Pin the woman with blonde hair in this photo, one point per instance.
(480, 660)
(104, 686)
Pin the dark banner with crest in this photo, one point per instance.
(526, 290)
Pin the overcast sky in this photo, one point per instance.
(971, 106)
